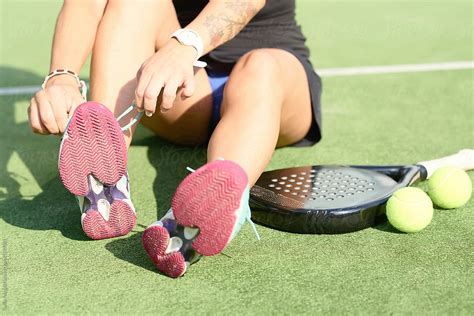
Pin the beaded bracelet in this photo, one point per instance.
(56, 72)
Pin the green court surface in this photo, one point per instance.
(49, 266)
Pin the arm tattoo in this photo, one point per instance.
(228, 23)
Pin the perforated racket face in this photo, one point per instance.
(322, 187)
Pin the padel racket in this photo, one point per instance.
(329, 199)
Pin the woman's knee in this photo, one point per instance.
(133, 4)
(93, 9)
(156, 18)
(258, 68)
(142, 14)
(259, 63)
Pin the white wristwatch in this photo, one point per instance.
(189, 37)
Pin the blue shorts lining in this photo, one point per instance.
(217, 81)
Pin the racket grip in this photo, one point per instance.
(464, 159)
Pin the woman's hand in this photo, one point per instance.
(169, 69)
(50, 108)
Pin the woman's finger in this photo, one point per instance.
(46, 113)
(152, 92)
(59, 105)
(76, 101)
(143, 79)
(169, 94)
(189, 86)
(35, 121)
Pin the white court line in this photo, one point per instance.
(370, 70)
(327, 72)
(19, 90)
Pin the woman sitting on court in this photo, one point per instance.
(257, 92)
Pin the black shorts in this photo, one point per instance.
(315, 89)
(218, 73)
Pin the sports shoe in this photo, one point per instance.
(92, 165)
(207, 211)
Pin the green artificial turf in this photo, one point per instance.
(51, 267)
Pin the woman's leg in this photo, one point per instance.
(266, 104)
(128, 34)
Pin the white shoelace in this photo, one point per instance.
(133, 121)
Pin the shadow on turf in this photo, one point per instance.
(55, 208)
(52, 209)
(170, 162)
(130, 249)
(386, 227)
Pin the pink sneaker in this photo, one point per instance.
(207, 211)
(92, 166)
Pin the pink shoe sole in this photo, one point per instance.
(206, 199)
(121, 221)
(94, 145)
(155, 240)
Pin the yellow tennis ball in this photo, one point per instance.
(450, 187)
(409, 210)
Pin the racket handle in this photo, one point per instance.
(464, 159)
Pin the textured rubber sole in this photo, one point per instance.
(94, 145)
(155, 241)
(206, 199)
(121, 221)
